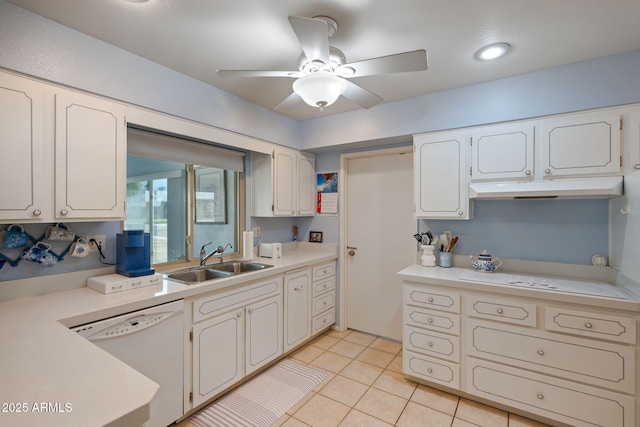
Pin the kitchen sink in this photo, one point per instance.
(236, 267)
(195, 275)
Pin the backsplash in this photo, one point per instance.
(566, 231)
(25, 269)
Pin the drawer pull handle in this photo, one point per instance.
(239, 315)
(430, 344)
(64, 212)
(250, 310)
(540, 396)
(430, 299)
(430, 371)
(429, 320)
(37, 212)
(500, 311)
(588, 325)
(540, 352)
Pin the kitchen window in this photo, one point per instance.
(183, 193)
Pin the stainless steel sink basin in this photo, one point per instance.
(237, 267)
(197, 275)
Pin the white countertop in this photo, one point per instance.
(450, 277)
(43, 362)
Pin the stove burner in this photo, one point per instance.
(553, 284)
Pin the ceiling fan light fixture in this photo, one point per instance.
(492, 51)
(319, 90)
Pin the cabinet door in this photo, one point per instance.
(633, 151)
(218, 354)
(90, 158)
(502, 152)
(264, 332)
(306, 190)
(283, 182)
(26, 142)
(297, 307)
(440, 175)
(584, 144)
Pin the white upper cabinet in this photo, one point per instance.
(502, 152)
(440, 171)
(81, 138)
(580, 144)
(26, 144)
(632, 163)
(90, 158)
(282, 184)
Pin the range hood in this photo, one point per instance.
(601, 187)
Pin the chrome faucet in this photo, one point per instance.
(219, 250)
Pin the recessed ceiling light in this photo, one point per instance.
(492, 51)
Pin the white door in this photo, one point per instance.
(379, 237)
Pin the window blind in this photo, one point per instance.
(165, 147)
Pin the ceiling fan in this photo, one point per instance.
(323, 71)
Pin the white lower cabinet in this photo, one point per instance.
(237, 331)
(323, 297)
(297, 301)
(560, 362)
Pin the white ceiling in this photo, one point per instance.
(198, 37)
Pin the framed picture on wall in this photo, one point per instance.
(211, 203)
(315, 236)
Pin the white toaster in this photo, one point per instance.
(270, 250)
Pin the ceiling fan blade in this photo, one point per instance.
(313, 35)
(398, 63)
(258, 73)
(289, 102)
(360, 95)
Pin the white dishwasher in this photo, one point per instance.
(151, 342)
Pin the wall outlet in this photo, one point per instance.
(101, 240)
(256, 232)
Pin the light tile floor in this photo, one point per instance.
(365, 387)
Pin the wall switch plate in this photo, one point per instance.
(100, 239)
(256, 232)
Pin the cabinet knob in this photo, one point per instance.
(540, 352)
(637, 166)
(238, 315)
(430, 344)
(250, 310)
(500, 311)
(528, 172)
(429, 370)
(460, 213)
(430, 320)
(430, 299)
(64, 212)
(540, 396)
(547, 171)
(37, 212)
(588, 325)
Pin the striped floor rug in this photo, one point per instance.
(262, 400)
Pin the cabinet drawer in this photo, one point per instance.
(593, 362)
(323, 321)
(324, 270)
(614, 328)
(517, 312)
(323, 303)
(438, 371)
(423, 296)
(432, 343)
(323, 286)
(212, 304)
(567, 402)
(431, 319)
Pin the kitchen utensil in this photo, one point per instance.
(452, 244)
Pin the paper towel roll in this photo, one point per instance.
(247, 245)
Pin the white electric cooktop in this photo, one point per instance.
(552, 284)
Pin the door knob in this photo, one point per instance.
(352, 250)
